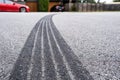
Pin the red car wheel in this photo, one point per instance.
(22, 9)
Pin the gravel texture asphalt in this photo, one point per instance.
(14, 30)
(93, 37)
(46, 56)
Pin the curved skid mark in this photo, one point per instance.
(58, 57)
(75, 65)
(33, 53)
(52, 54)
(64, 59)
(22, 64)
(46, 56)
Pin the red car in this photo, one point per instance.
(9, 6)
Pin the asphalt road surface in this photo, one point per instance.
(46, 56)
(65, 46)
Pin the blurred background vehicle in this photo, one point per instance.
(58, 8)
(9, 6)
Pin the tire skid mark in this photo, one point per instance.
(42, 54)
(32, 56)
(46, 56)
(52, 54)
(63, 73)
(21, 66)
(49, 66)
(62, 54)
(75, 65)
(36, 70)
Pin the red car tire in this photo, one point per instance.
(22, 9)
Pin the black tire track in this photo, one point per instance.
(49, 66)
(51, 59)
(76, 66)
(58, 57)
(21, 67)
(36, 72)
